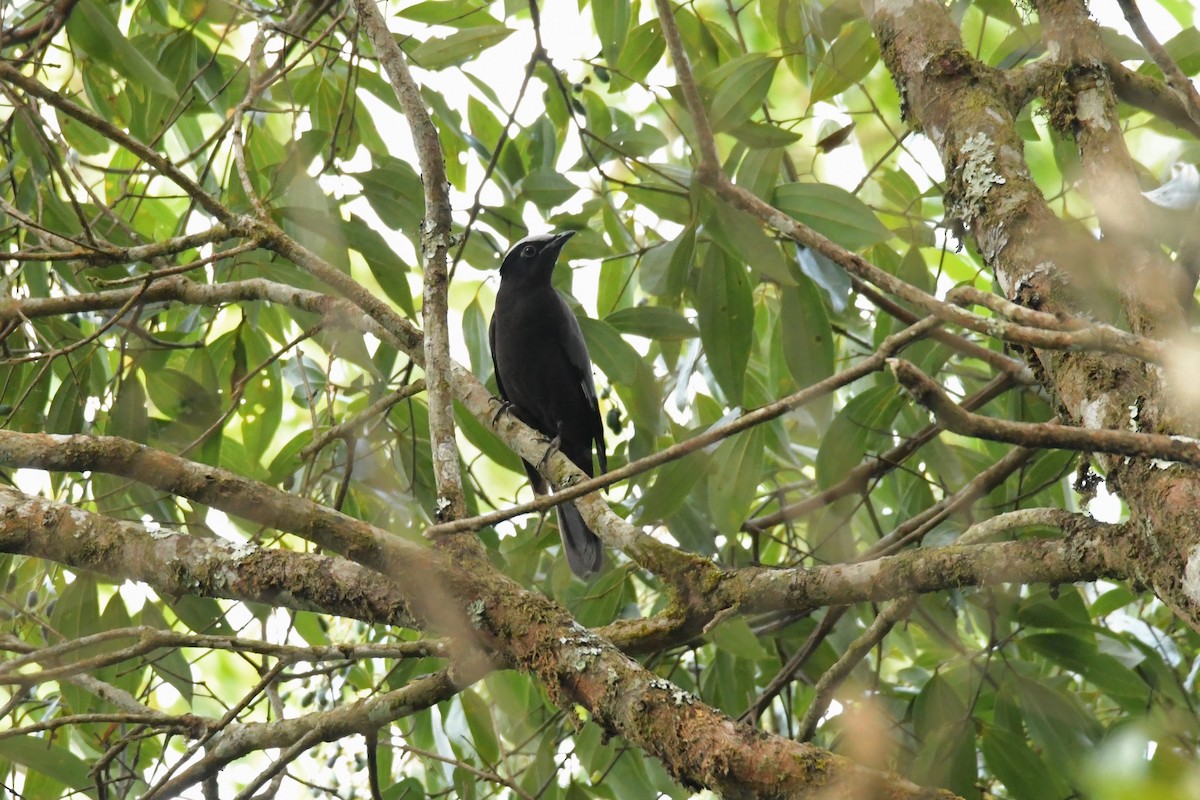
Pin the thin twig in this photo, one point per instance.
(1174, 76)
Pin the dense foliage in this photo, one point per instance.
(143, 308)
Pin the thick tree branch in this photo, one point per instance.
(1174, 76)
(1151, 94)
(896, 610)
(435, 239)
(419, 573)
(710, 162)
(527, 628)
(1089, 552)
(1043, 263)
(54, 16)
(1110, 176)
(1167, 450)
(176, 564)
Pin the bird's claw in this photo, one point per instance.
(505, 408)
(552, 446)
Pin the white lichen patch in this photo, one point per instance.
(475, 610)
(1090, 109)
(1191, 575)
(978, 175)
(1026, 278)
(582, 658)
(239, 550)
(1160, 463)
(1094, 413)
(992, 242)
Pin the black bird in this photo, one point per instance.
(543, 370)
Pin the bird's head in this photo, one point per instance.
(534, 257)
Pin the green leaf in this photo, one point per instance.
(946, 757)
(168, 663)
(487, 442)
(94, 30)
(1083, 657)
(76, 614)
(394, 190)
(741, 88)
(201, 614)
(1184, 49)
(547, 188)
(50, 757)
(653, 322)
(479, 721)
(455, 13)
(1024, 42)
(832, 279)
(663, 270)
(475, 334)
(388, 269)
(1057, 722)
(1019, 768)
(764, 135)
(863, 425)
(742, 238)
(735, 637)
(807, 336)
(459, 47)
(848, 61)
(726, 315)
(644, 399)
(612, 354)
(733, 481)
(632, 140)
(1110, 601)
(639, 54)
(612, 19)
(128, 417)
(181, 398)
(833, 212)
(759, 172)
(671, 488)
(66, 411)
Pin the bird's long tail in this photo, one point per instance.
(584, 552)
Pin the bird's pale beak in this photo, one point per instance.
(560, 239)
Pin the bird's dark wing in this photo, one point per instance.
(577, 356)
(540, 486)
(495, 366)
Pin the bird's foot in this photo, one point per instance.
(505, 408)
(552, 446)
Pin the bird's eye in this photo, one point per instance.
(528, 251)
